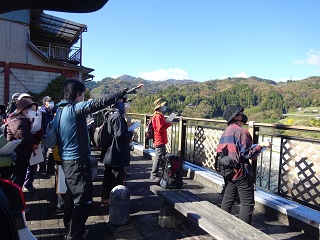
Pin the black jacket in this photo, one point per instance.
(118, 153)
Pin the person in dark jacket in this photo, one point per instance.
(47, 111)
(2, 113)
(74, 151)
(116, 156)
(12, 105)
(19, 127)
(236, 143)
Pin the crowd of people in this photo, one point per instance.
(18, 122)
(21, 121)
(74, 142)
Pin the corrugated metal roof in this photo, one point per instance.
(45, 28)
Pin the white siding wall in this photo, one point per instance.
(1, 85)
(15, 49)
(13, 40)
(34, 81)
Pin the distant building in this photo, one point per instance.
(35, 49)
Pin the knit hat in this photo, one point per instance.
(24, 103)
(159, 103)
(231, 111)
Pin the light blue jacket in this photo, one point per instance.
(73, 138)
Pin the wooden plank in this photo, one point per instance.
(209, 217)
(219, 223)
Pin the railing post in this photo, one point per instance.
(254, 130)
(143, 137)
(182, 138)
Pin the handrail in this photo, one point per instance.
(290, 169)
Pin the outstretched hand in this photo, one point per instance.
(134, 90)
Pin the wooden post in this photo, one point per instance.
(182, 138)
(254, 131)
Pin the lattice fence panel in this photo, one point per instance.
(168, 145)
(205, 143)
(300, 171)
(137, 131)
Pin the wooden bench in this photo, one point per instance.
(181, 204)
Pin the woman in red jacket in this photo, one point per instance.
(160, 140)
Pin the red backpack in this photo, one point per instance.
(149, 131)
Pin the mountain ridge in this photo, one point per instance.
(264, 99)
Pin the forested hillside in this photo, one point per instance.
(264, 100)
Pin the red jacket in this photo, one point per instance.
(160, 129)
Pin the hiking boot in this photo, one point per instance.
(155, 178)
(51, 172)
(85, 235)
(59, 210)
(29, 189)
(105, 202)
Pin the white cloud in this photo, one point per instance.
(312, 59)
(162, 74)
(242, 75)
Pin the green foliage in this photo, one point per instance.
(53, 90)
(264, 100)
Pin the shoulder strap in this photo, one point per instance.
(14, 119)
(59, 119)
(4, 125)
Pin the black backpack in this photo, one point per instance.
(102, 138)
(171, 172)
(225, 165)
(149, 131)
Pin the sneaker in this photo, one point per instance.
(29, 189)
(105, 202)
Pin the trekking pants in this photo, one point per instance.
(160, 152)
(78, 198)
(113, 176)
(243, 186)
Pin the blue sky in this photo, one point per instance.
(202, 40)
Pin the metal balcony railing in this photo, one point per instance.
(62, 53)
(291, 168)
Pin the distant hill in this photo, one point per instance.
(265, 100)
(108, 85)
